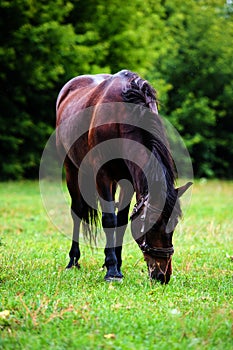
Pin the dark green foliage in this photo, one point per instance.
(199, 73)
(183, 48)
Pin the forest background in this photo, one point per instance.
(183, 48)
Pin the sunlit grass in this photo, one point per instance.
(43, 306)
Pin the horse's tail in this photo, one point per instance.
(90, 212)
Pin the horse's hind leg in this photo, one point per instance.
(76, 211)
(74, 253)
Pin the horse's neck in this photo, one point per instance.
(145, 184)
(139, 181)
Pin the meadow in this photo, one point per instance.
(44, 306)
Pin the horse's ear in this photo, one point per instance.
(181, 190)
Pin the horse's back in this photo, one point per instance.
(74, 115)
(88, 106)
(79, 85)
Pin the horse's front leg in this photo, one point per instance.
(122, 220)
(109, 224)
(106, 190)
(126, 194)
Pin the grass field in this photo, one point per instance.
(43, 306)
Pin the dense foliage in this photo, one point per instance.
(183, 48)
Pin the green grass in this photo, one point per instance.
(43, 306)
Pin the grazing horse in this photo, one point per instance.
(108, 133)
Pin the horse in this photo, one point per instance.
(109, 133)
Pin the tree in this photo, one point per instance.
(183, 48)
(37, 51)
(198, 69)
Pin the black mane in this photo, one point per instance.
(139, 92)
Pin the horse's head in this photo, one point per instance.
(153, 229)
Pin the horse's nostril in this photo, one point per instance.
(161, 277)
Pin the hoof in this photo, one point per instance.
(72, 263)
(120, 273)
(113, 279)
(113, 276)
(69, 266)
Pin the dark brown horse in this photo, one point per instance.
(109, 130)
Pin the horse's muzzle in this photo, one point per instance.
(161, 277)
